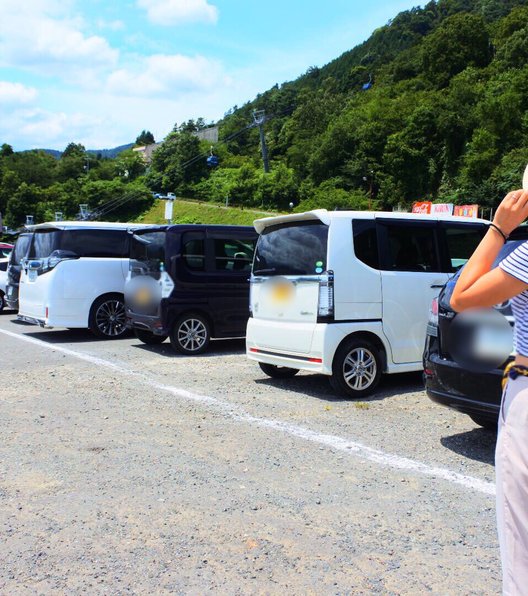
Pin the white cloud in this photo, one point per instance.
(38, 128)
(44, 37)
(167, 76)
(116, 25)
(175, 12)
(16, 93)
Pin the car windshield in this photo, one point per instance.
(292, 249)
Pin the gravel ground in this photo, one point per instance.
(127, 469)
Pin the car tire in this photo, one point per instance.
(357, 367)
(278, 372)
(149, 338)
(2, 301)
(107, 318)
(190, 334)
(485, 422)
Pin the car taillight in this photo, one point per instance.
(433, 312)
(326, 295)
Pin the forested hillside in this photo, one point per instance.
(433, 105)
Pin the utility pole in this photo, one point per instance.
(370, 180)
(259, 116)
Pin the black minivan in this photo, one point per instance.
(190, 283)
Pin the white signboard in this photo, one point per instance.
(168, 209)
(442, 208)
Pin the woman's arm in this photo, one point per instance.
(478, 285)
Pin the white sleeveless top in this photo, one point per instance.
(516, 264)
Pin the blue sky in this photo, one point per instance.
(98, 72)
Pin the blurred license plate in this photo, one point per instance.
(282, 292)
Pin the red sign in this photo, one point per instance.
(421, 207)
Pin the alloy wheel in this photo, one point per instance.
(192, 335)
(110, 318)
(359, 369)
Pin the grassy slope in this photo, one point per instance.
(195, 212)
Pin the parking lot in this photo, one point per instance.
(126, 468)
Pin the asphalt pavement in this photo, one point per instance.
(129, 469)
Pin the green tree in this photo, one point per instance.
(6, 150)
(461, 40)
(24, 201)
(129, 165)
(178, 163)
(145, 137)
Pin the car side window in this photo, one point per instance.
(194, 253)
(366, 242)
(461, 243)
(411, 248)
(96, 243)
(233, 255)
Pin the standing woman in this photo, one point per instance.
(481, 286)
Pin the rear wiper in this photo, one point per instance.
(270, 270)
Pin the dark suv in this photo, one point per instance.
(477, 394)
(190, 283)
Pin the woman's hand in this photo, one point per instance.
(512, 211)
(478, 285)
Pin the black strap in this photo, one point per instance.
(495, 227)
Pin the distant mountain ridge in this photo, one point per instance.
(105, 153)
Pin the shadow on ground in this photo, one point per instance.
(224, 347)
(66, 336)
(477, 444)
(318, 386)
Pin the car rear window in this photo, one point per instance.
(148, 246)
(298, 248)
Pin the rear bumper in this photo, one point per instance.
(449, 385)
(144, 323)
(309, 347)
(33, 321)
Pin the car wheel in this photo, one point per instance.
(2, 301)
(107, 317)
(190, 334)
(149, 338)
(486, 423)
(278, 372)
(356, 370)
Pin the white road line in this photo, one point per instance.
(234, 412)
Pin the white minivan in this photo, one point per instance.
(74, 276)
(347, 294)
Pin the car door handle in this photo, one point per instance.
(437, 286)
